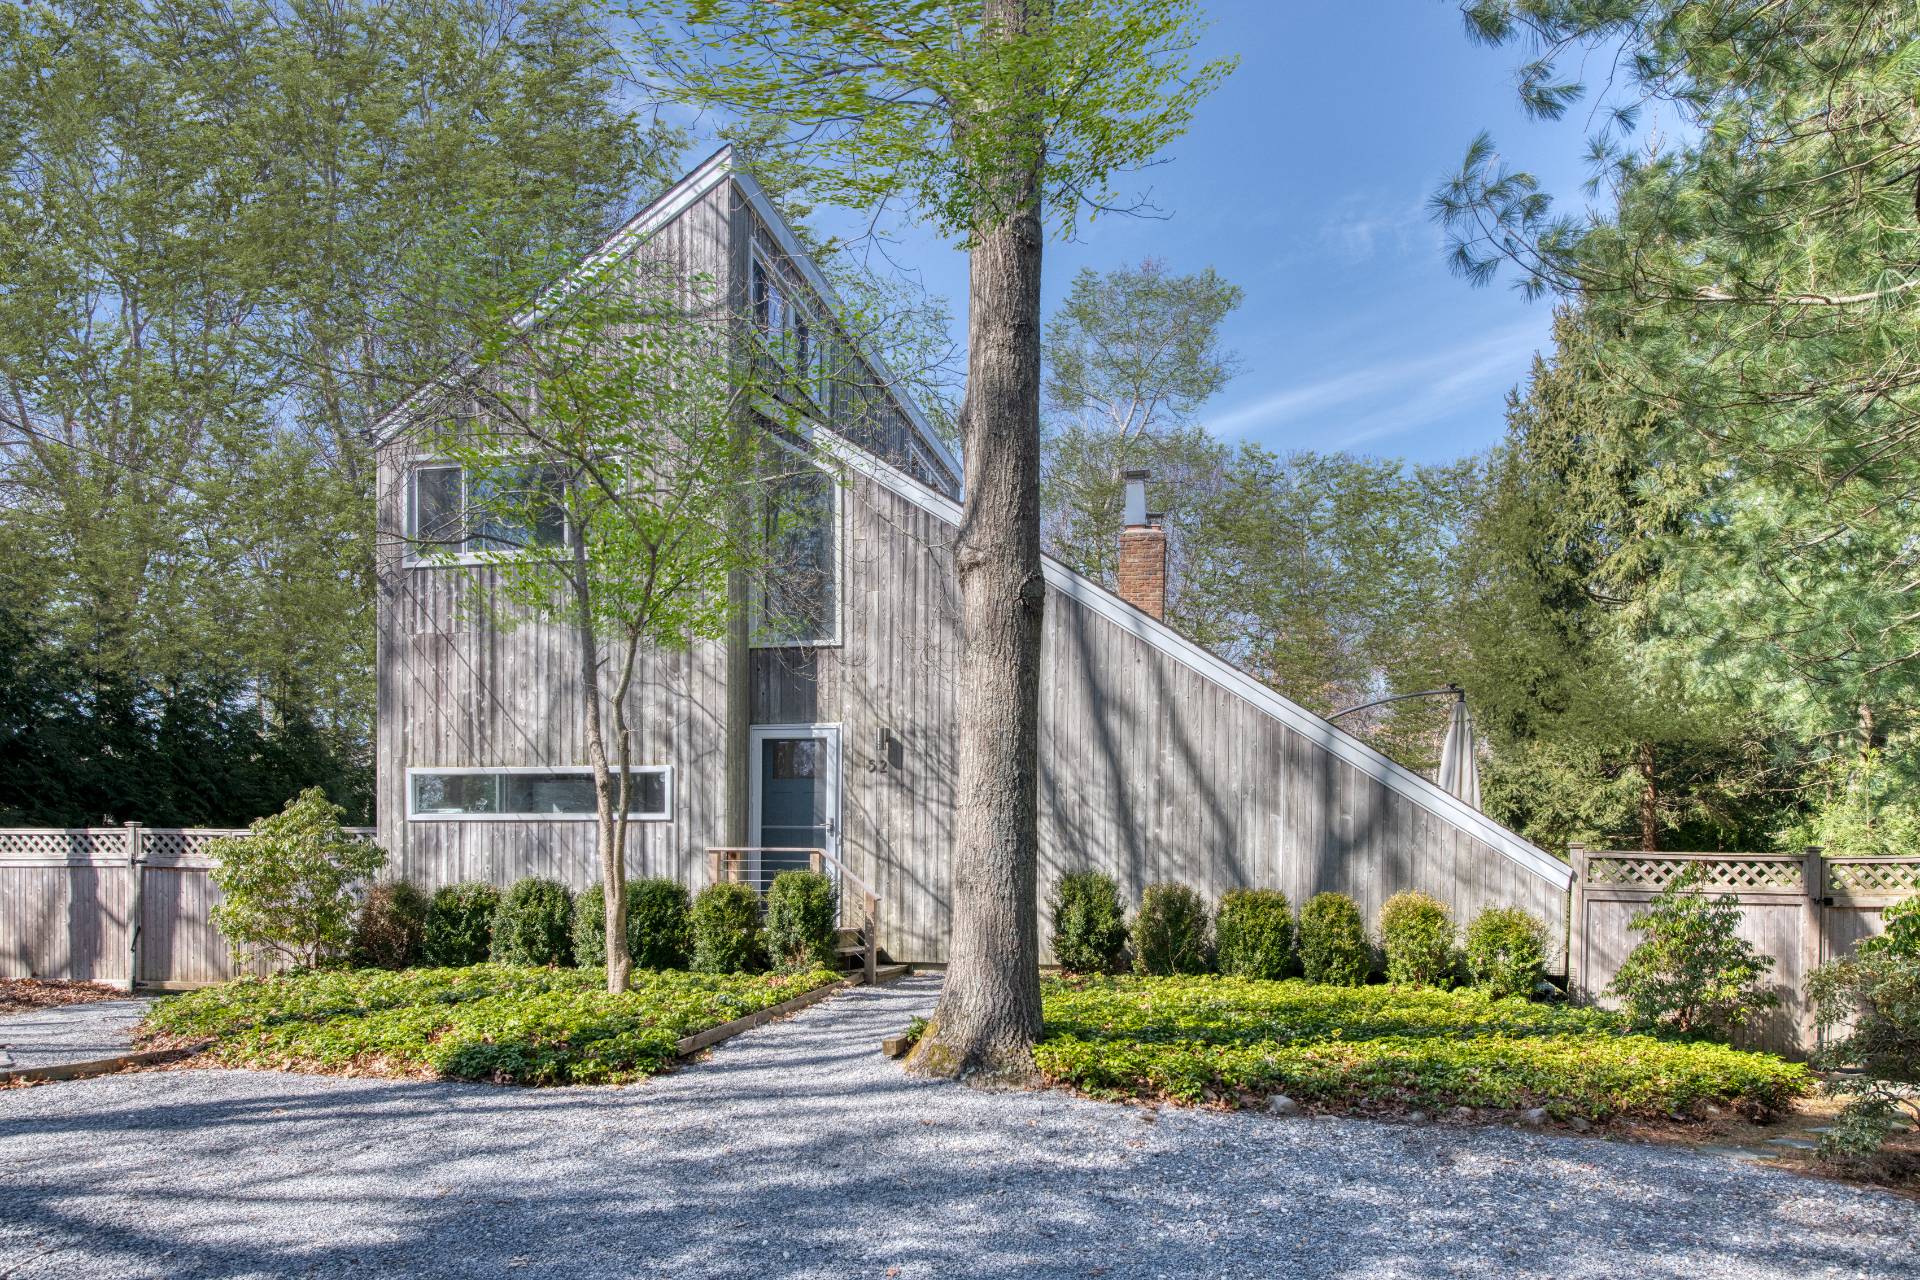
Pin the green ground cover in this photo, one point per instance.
(505, 1023)
(1236, 1040)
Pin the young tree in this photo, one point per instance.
(991, 118)
(606, 461)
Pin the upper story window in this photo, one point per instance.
(451, 508)
(798, 599)
(789, 332)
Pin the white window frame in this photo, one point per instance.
(418, 557)
(755, 606)
(664, 815)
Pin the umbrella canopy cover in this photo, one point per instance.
(1459, 771)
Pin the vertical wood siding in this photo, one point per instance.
(1150, 770)
(453, 692)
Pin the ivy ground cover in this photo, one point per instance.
(1235, 1040)
(505, 1023)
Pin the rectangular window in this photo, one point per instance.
(799, 599)
(451, 508)
(562, 794)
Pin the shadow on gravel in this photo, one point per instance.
(799, 1151)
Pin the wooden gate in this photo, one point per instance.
(1802, 909)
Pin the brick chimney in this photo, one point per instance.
(1143, 550)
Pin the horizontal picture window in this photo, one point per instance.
(530, 794)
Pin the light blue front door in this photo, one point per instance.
(796, 794)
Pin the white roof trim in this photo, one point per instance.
(1344, 746)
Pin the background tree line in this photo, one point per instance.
(224, 227)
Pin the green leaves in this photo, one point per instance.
(1229, 1040)
(1692, 973)
(287, 889)
(962, 112)
(499, 1023)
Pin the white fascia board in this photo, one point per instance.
(1434, 799)
(790, 245)
(677, 199)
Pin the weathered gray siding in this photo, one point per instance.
(454, 692)
(1150, 769)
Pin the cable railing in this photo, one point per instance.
(857, 906)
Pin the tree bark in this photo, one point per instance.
(988, 1016)
(612, 850)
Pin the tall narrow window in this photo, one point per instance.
(799, 599)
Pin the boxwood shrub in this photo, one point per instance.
(1333, 941)
(800, 920)
(534, 924)
(1089, 924)
(391, 927)
(659, 925)
(1173, 932)
(1416, 932)
(459, 928)
(1253, 936)
(726, 929)
(1506, 952)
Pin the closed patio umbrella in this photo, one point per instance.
(1459, 772)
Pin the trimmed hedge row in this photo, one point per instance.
(1255, 935)
(539, 922)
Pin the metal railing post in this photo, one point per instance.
(136, 906)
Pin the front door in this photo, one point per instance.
(796, 795)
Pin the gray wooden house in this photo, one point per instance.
(1160, 761)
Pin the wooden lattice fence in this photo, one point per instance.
(112, 904)
(1802, 909)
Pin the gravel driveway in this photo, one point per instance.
(798, 1151)
(66, 1033)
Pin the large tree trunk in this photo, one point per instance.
(988, 1017)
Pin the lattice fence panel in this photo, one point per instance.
(80, 843)
(172, 844)
(1873, 875)
(1735, 875)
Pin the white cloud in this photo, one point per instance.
(1392, 395)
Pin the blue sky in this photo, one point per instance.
(1304, 180)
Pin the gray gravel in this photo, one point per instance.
(798, 1151)
(66, 1033)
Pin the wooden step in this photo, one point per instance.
(886, 973)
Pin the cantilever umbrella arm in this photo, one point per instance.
(1451, 690)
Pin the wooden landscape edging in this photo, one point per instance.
(690, 1045)
(99, 1066)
